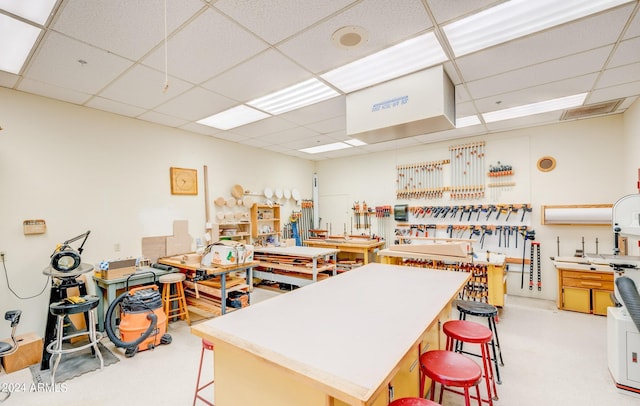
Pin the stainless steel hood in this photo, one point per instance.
(419, 103)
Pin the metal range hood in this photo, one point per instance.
(416, 104)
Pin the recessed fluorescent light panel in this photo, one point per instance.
(294, 97)
(234, 117)
(407, 57)
(467, 121)
(17, 40)
(535, 108)
(517, 18)
(325, 148)
(355, 142)
(37, 11)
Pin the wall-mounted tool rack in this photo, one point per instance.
(424, 180)
(495, 228)
(467, 171)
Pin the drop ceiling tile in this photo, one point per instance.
(53, 92)
(445, 10)
(123, 109)
(230, 136)
(526, 122)
(315, 51)
(286, 136)
(333, 107)
(620, 75)
(255, 142)
(582, 35)
(269, 125)
(391, 145)
(8, 79)
(243, 84)
(309, 142)
(331, 125)
(143, 87)
(614, 92)
(465, 109)
(200, 129)
(535, 75)
(626, 53)
(124, 27)
(209, 45)
(634, 28)
(195, 104)
(163, 119)
(275, 20)
(537, 94)
(58, 62)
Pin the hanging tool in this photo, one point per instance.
(535, 246)
(558, 244)
(527, 235)
(525, 209)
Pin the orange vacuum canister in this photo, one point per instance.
(143, 323)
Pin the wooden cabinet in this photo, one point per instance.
(586, 291)
(265, 221)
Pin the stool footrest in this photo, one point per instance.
(52, 350)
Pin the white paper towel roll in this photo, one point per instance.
(577, 215)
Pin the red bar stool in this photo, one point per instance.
(206, 345)
(463, 331)
(450, 370)
(413, 402)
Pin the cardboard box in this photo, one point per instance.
(118, 269)
(29, 353)
(231, 255)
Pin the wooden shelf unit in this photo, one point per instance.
(243, 230)
(265, 221)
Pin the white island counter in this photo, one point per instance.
(339, 341)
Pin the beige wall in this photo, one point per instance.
(589, 171)
(81, 169)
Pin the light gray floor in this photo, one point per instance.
(551, 358)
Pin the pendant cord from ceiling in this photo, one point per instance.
(166, 70)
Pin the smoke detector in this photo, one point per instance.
(590, 110)
(350, 37)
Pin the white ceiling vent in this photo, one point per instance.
(591, 110)
(416, 104)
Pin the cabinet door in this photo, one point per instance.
(577, 299)
(406, 383)
(601, 300)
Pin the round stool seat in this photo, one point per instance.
(4, 347)
(476, 308)
(207, 345)
(63, 307)
(413, 402)
(467, 331)
(450, 368)
(172, 277)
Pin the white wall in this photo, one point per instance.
(588, 172)
(81, 169)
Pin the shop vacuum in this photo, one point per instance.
(143, 323)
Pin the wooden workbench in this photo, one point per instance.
(214, 271)
(496, 275)
(366, 248)
(340, 342)
(300, 265)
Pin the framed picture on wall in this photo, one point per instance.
(184, 181)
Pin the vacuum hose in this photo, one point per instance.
(109, 327)
(630, 297)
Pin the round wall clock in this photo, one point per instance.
(184, 181)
